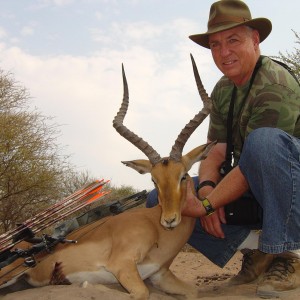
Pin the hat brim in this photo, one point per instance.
(262, 25)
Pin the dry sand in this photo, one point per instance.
(189, 266)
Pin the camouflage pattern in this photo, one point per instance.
(273, 101)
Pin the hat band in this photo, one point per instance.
(217, 21)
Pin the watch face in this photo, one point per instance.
(209, 209)
(206, 202)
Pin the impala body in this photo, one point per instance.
(140, 243)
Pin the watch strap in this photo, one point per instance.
(208, 207)
(205, 183)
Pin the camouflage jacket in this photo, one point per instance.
(273, 101)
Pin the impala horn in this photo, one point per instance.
(176, 152)
(152, 155)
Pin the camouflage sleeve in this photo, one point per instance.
(274, 106)
(220, 96)
(217, 128)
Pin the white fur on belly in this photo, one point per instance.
(105, 277)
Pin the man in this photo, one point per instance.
(265, 133)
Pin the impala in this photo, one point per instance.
(139, 243)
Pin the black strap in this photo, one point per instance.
(229, 148)
(205, 183)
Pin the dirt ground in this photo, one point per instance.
(190, 266)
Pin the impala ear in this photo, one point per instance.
(142, 166)
(197, 154)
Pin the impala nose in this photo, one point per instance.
(170, 223)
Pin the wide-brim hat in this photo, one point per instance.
(227, 14)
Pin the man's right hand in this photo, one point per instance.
(212, 224)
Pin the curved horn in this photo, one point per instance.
(186, 132)
(152, 155)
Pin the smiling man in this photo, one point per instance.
(235, 52)
(253, 173)
(249, 185)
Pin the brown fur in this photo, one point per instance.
(132, 246)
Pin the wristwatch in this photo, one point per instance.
(206, 204)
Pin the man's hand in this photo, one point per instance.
(193, 207)
(212, 224)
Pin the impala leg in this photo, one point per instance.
(127, 274)
(167, 281)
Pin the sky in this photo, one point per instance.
(68, 55)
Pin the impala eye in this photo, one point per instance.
(184, 177)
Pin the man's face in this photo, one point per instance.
(235, 52)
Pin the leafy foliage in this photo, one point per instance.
(292, 59)
(33, 172)
(31, 167)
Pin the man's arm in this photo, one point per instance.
(209, 168)
(231, 187)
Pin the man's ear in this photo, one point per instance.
(256, 39)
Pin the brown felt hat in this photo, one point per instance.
(227, 14)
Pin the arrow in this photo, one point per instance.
(82, 197)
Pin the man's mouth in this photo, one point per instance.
(228, 63)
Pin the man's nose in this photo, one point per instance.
(224, 50)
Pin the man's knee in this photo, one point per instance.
(264, 135)
(263, 141)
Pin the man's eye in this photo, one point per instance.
(213, 45)
(232, 41)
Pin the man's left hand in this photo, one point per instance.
(212, 224)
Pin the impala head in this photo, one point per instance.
(169, 174)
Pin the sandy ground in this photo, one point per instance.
(189, 266)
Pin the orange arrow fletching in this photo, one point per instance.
(97, 196)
